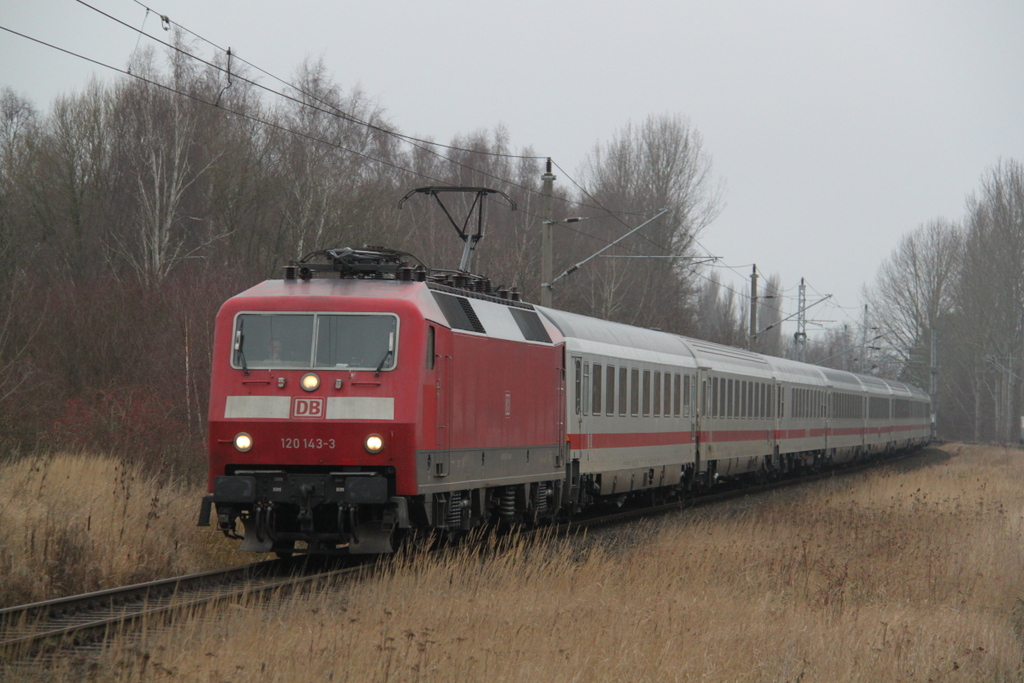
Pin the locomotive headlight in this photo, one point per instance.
(374, 443)
(243, 442)
(310, 381)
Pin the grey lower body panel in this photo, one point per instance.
(472, 468)
(639, 479)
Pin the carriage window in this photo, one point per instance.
(742, 412)
(623, 389)
(751, 412)
(677, 395)
(647, 393)
(685, 392)
(609, 392)
(596, 407)
(634, 393)
(730, 396)
(714, 397)
(430, 347)
(669, 394)
(657, 394)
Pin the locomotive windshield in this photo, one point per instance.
(308, 340)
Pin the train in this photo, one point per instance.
(359, 401)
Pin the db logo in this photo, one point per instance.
(308, 407)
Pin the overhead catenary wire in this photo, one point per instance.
(419, 143)
(331, 110)
(348, 117)
(263, 121)
(285, 129)
(424, 145)
(241, 114)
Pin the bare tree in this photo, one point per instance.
(990, 299)
(659, 164)
(719, 318)
(913, 291)
(18, 123)
(17, 118)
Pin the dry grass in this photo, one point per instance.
(75, 523)
(908, 573)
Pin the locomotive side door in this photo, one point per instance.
(562, 437)
(445, 378)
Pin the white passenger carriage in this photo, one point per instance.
(648, 409)
(632, 421)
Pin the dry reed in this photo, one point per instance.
(72, 523)
(905, 573)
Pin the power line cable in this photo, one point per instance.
(256, 119)
(348, 117)
(334, 111)
(338, 113)
(241, 114)
(610, 213)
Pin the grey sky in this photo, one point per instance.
(835, 127)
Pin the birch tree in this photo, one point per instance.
(658, 164)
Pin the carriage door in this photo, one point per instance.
(828, 408)
(581, 406)
(700, 411)
(779, 412)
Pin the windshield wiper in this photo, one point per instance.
(239, 341)
(391, 349)
(376, 373)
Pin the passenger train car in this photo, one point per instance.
(349, 411)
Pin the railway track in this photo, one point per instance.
(30, 630)
(732, 493)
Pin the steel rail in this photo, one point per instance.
(28, 630)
